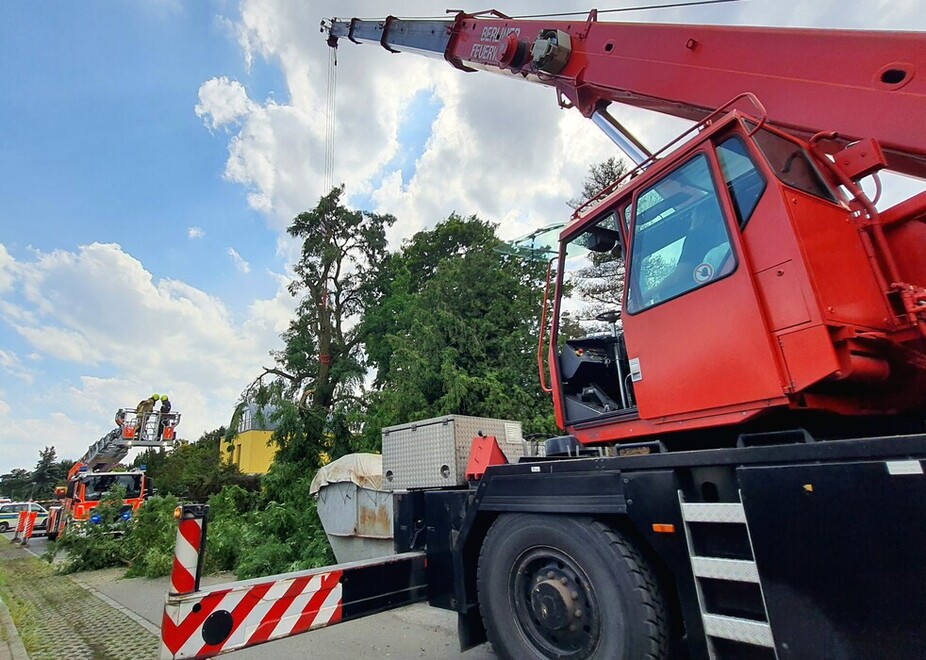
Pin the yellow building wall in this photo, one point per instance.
(251, 451)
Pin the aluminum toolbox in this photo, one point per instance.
(433, 453)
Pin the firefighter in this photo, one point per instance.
(144, 408)
(164, 415)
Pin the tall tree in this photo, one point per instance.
(46, 474)
(316, 375)
(16, 484)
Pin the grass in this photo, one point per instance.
(24, 615)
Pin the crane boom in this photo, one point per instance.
(858, 83)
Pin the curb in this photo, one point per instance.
(13, 641)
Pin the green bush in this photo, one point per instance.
(93, 546)
(226, 530)
(248, 533)
(145, 544)
(148, 546)
(256, 536)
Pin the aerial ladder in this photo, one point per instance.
(743, 447)
(153, 429)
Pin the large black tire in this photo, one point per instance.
(555, 586)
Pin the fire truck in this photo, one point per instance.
(92, 477)
(740, 472)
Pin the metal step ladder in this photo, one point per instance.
(721, 626)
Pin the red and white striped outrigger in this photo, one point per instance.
(202, 624)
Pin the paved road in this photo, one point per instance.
(417, 631)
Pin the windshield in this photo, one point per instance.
(680, 240)
(97, 486)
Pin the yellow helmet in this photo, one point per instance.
(163, 397)
(155, 397)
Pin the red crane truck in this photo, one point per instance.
(741, 470)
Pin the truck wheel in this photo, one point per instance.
(557, 587)
(4, 527)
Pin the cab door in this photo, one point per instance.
(696, 337)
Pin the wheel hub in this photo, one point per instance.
(553, 604)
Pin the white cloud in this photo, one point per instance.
(98, 312)
(242, 265)
(7, 269)
(11, 364)
(195, 232)
(222, 102)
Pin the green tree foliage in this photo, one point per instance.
(94, 546)
(313, 385)
(192, 471)
(253, 535)
(600, 176)
(148, 545)
(17, 484)
(47, 474)
(454, 331)
(229, 511)
(39, 484)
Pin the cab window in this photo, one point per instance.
(742, 178)
(680, 239)
(792, 165)
(592, 277)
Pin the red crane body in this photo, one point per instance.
(818, 307)
(736, 286)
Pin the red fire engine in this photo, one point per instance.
(90, 478)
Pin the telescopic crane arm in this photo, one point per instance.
(858, 83)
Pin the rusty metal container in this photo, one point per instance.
(355, 512)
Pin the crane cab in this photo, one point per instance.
(735, 280)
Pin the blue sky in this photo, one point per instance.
(153, 152)
(101, 143)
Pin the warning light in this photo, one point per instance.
(664, 528)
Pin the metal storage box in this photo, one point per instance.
(433, 453)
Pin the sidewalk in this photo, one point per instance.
(59, 619)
